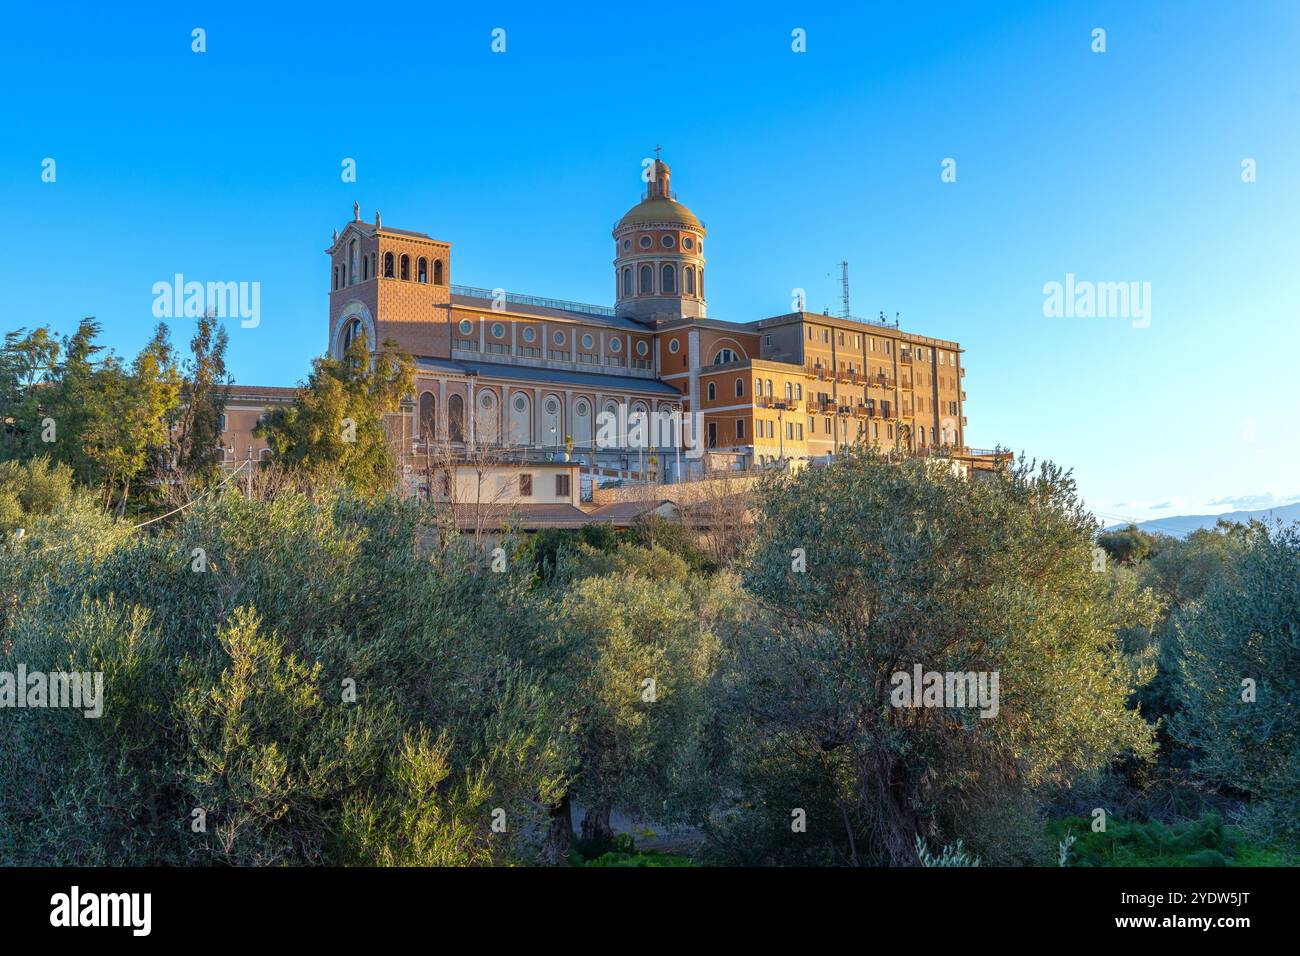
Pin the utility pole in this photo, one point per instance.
(248, 481)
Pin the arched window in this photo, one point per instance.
(724, 356)
(352, 263)
(789, 391)
(388, 265)
(406, 267)
(769, 388)
(713, 391)
(701, 283)
(437, 272)
(456, 418)
(669, 278)
(428, 417)
(627, 281)
(740, 388)
(336, 277)
(647, 280)
(422, 270)
(688, 280)
(351, 334)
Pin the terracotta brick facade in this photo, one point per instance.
(526, 372)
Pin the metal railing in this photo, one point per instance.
(882, 322)
(561, 305)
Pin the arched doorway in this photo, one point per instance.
(639, 417)
(521, 419)
(487, 419)
(610, 424)
(552, 422)
(582, 423)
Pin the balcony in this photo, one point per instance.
(825, 406)
(787, 404)
(819, 372)
(860, 411)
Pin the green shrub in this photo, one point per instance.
(1203, 842)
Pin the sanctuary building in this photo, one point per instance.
(532, 375)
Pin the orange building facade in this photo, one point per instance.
(533, 375)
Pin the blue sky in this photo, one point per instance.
(1122, 166)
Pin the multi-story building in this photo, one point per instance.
(534, 374)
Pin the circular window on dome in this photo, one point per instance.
(498, 330)
(627, 244)
(615, 345)
(688, 242)
(668, 242)
(558, 337)
(587, 341)
(674, 346)
(466, 326)
(642, 348)
(646, 242)
(529, 333)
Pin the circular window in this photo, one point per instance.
(521, 403)
(580, 409)
(529, 333)
(552, 406)
(559, 338)
(627, 244)
(646, 242)
(466, 326)
(642, 348)
(688, 242)
(615, 345)
(668, 242)
(673, 346)
(587, 341)
(498, 330)
(486, 400)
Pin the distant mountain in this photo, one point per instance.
(1182, 525)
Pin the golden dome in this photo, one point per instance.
(659, 205)
(658, 209)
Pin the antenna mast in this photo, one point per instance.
(844, 284)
